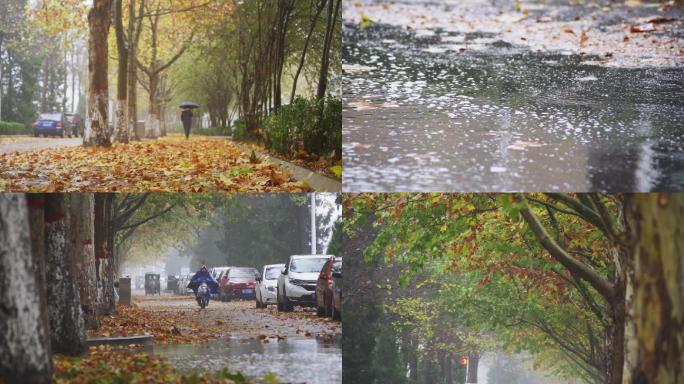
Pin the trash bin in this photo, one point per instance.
(140, 129)
(125, 291)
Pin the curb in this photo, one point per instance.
(317, 181)
(142, 340)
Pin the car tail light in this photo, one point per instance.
(59, 125)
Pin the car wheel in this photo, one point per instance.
(320, 312)
(279, 302)
(287, 305)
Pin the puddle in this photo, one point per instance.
(493, 116)
(293, 360)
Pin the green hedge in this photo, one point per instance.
(10, 128)
(215, 131)
(239, 130)
(314, 124)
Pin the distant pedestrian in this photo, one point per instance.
(186, 118)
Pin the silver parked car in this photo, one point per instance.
(297, 281)
(266, 285)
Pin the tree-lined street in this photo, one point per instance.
(581, 288)
(82, 271)
(115, 72)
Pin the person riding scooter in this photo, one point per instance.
(203, 276)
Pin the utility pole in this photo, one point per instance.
(313, 223)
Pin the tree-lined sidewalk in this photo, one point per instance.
(169, 164)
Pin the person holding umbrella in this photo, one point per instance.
(186, 116)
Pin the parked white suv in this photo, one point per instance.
(297, 281)
(266, 285)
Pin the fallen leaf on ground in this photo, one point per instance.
(169, 164)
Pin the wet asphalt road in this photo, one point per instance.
(241, 319)
(298, 347)
(442, 110)
(30, 143)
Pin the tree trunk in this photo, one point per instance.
(132, 77)
(152, 125)
(656, 222)
(81, 236)
(448, 369)
(615, 336)
(67, 331)
(426, 370)
(24, 342)
(103, 264)
(413, 365)
(333, 7)
(97, 123)
(36, 207)
(314, 20)
(473, 362)
(121, 130)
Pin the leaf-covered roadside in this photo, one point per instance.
(323, 164)
(166, 326)
(171, 164)
(131, 367)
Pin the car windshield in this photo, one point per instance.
(242, 272)
(50, 116)
(218, 272)
(308, 264)
(272, 273)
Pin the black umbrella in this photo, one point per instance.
(189, 105)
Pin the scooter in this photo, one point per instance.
(203, 295)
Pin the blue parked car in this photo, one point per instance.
(54, 124)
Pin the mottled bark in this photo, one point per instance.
(134, 29)
(36, 209)
(153, 124)
(97, 122)
(103, 262)
(81, 237)
(24, 346)
(656, 223)
(67, 332)
(121, 128)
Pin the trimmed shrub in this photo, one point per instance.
(329, 134)
(11, 128)
(314, 125)
(214, 131)
(239, 129)
(285, 129)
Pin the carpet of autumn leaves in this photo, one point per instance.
(166, 326)
(321, 164)
(201, 164)
(118, 366)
